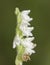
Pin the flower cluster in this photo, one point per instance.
(24, 36)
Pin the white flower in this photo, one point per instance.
(16, 41)
(24, 15)
(25, 22)
(29, 51)
(27, 43)
(26, 30)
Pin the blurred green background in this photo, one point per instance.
(40, 11)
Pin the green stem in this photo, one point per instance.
(20, 50)
(18, 62)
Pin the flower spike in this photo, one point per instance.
(23, 37)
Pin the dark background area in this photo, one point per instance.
(40, 11)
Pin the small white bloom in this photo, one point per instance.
(26, 30)
(25, 22)
(16, 41)
(24, 15)
(29, 51)
(30, 38)
(27, 42)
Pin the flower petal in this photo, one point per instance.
(16, 41)
(29, 51)
(25, 12)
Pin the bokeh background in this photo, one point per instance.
(40, 11)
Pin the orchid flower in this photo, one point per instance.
(23, 37)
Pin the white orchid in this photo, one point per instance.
(23, 44)
(25, 16)
(16, 41)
